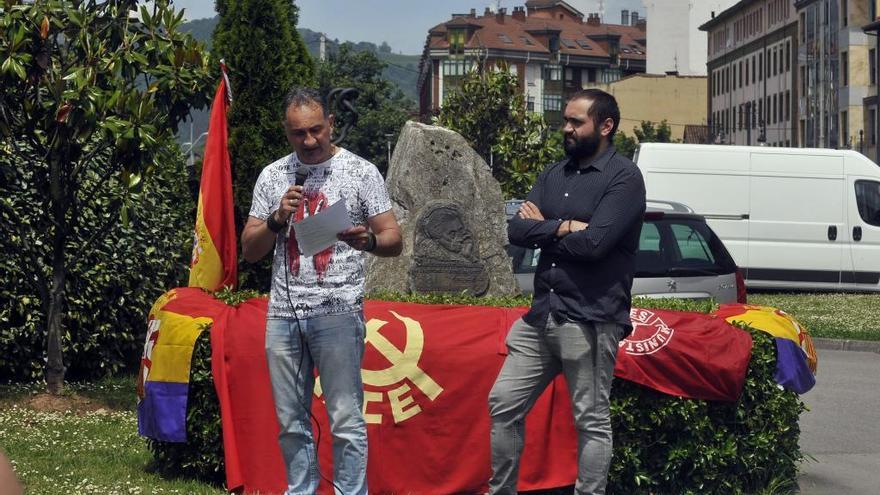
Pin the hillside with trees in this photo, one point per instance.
(400, 70)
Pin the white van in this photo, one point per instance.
(801, 218)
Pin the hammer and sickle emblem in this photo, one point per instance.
(404, 363)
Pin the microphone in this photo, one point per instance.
(300, 177)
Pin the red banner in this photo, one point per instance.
(691, 355)
(427, 374)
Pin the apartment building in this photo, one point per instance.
(548, 44)
(870, 103)
(752, 68)
(834, 72)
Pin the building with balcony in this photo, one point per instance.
(752, 69)
(548, 44)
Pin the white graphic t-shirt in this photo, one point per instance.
(332, 281)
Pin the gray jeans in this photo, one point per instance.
(585, 353)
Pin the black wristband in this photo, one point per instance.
(273, 224)
(371, 243)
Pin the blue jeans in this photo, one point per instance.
(585, 353)
(335, 344)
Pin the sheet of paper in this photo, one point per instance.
(318, 232)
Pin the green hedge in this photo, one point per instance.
(113, 278)
(662, 444)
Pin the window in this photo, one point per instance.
(454, 68)
(844, 129)
(552, 73)
(761, 66)
(530, 103)
(568, 43)
(781, 104)
(844, 68)
(753, 69)
(868, 201)
(803, 80)
(692, 245)
(552, 103)
(747, 72)
(733, 68)
(775, 115)
(741, 74)
(584, 44)
(505, 38)
(844, 12)
(456, 41)
(768, 65)
(649, 239)
(526, 40)
(872, 66)
(754, 115)
(775, 62)
(761, 110)
(872, 127)
(787, 105)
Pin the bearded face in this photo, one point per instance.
(582, 146)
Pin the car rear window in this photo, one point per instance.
(669, 246)
(675, 247)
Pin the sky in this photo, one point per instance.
(403, 24)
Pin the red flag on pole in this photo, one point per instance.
(215, 251)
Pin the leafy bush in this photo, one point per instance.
(662, 444)
(114, 276)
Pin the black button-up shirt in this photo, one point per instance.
(586, 275)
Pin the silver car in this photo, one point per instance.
(678, 256)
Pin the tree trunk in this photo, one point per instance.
(54, 350)
(55, 366)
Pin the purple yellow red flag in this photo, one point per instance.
(215, 252)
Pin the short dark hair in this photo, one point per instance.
(300, 95)
(603, 107)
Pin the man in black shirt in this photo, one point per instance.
(585, 214)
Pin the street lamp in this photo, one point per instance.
(191, 163)
(192, 144)
(388, 137)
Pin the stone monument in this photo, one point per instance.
(451, 214)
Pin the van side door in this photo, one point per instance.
(864, 219)
(797, 218)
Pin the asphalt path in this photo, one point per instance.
(841, 431)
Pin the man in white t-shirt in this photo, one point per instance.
(315, 314)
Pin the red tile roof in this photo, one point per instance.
(504, 32)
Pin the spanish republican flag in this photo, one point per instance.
(215, 255)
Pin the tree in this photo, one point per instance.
(646, 132)
(266, 57)
(88, 89)
(382, 107)
(488, 110)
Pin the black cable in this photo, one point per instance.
(302, 351)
